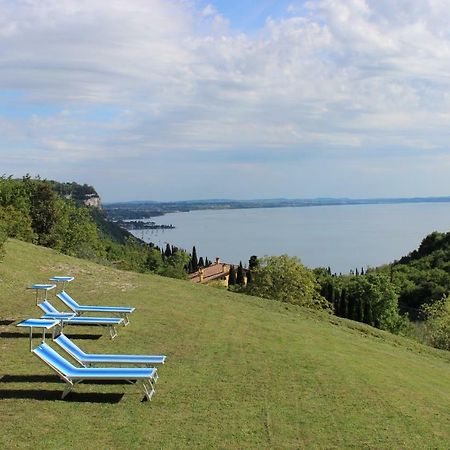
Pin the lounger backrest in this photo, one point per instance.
(54, 360)
(68, 300)
(67, 345)
(48, 308)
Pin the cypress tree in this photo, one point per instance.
(168, 252)
(240, 278)
(368, 312)
(336, 301)
(232, 277)
(194, 259)
(344, 304)
(249, 277)
(253, 262)
(351, 308)
(360, 316)
(201, 263)
(330, 293)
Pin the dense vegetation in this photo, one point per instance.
(40, 212)
(423, 276)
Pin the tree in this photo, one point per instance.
(174, 267)
(437, 323)
(240, 277)
(381, 293)
(44, 212)
(168, 251)
(154, 259)
(194, 259)
(285, 279)
(201, 263)
(252, 265)
(253, 262)
(249, 277)
(344, 310)
(232, 277)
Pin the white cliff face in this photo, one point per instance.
(95, 202)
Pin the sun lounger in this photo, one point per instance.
(78, 309)
(50, 312)
(73, 375)
(86, 359)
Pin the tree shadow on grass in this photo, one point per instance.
(53, 379)
(93, 337)
(29, 379)
(15, 335)
(6, 322)
(47, 395)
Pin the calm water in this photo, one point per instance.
(342, 237)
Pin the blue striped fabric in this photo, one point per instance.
(62, 279)
(38, 323)
(52, 313)
(74, 306)
(61, 365)
(70, 347)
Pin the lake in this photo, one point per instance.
(343, 237)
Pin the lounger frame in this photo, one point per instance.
(91, 359)
(147, 381)
(122, 311)
(50, 312)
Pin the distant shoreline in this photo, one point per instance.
(146, 209)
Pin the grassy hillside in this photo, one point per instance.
(241, 372)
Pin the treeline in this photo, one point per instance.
(368, 298)
(38, 211)
(77, 192)
(423, 276)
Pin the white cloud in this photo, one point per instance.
(331, 74)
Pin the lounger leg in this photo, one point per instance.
(112, 331)
(126, 321)
(149, 390)
(68, 388)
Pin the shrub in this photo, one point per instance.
(286, 279)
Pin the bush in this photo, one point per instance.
(285, 279)
(437, 323)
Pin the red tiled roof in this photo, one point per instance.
(211, 273)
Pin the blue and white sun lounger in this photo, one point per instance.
(123, 311)
(73, 375)
(71, 319)
(86, 359)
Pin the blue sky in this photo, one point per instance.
(185, 99)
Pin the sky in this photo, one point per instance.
(193, 99)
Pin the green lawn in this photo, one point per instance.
(241, 372)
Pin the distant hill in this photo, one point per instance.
(241, 372)
(146, 209)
